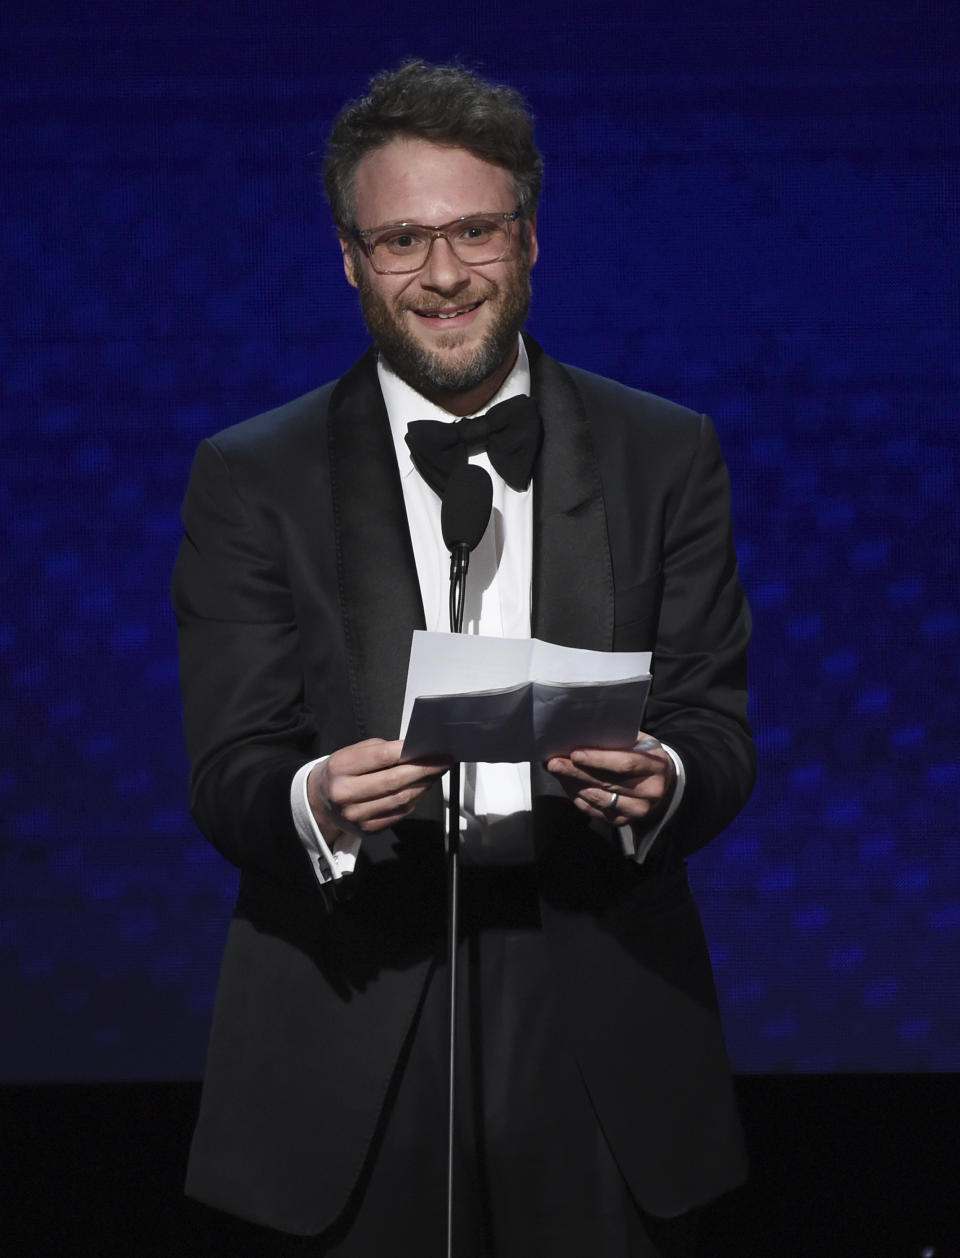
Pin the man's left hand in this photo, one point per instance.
(622, 787)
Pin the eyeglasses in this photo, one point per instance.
(400, 248)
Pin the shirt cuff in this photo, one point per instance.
(639, 849)
(328, 861)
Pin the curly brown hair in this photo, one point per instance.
(445, 104)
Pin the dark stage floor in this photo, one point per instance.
(849, 1166)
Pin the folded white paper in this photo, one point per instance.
(484, 699)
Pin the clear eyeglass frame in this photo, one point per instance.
(378, 242)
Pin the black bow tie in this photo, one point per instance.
(510, 433)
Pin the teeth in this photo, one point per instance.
(439, 314)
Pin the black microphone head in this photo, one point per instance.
(466, 506)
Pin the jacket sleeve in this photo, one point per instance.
(698, 700)
(246, 725)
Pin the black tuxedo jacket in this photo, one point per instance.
(296, 594)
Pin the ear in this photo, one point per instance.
(349, 268)
(533, 249)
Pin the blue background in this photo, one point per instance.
(752, 209)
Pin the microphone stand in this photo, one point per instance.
(464, 514)
(459, 559)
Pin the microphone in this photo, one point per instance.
(466, 506)
(464, 512)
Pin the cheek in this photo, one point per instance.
(390, 289)
(373, 288)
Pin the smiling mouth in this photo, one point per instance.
(449, 314)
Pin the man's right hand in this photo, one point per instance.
(364, 788)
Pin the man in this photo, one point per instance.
(594, 1097)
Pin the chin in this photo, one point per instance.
(430, 372)
(463, 362)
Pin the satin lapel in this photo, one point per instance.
(572, 568)
(379, 590)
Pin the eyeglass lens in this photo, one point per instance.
(475, 240)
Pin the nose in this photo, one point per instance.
(443, 271)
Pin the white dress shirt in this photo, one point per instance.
(495, 804)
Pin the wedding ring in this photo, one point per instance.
(612, 806)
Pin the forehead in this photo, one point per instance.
(414, 181)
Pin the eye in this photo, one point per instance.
(407, 240)
(477, 231)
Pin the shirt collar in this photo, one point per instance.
(404, 404)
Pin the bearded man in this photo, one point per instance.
(594, 1106)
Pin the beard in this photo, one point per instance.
(439, 372)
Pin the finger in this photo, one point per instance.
(623, 762)
(604, 800)
(598, 766)
(370, 756)
(346, 788)
(619, 816)
(599, 804)
(373, 755)
(580, 777)
(635, 796)
(563, 766)
(377, 814)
